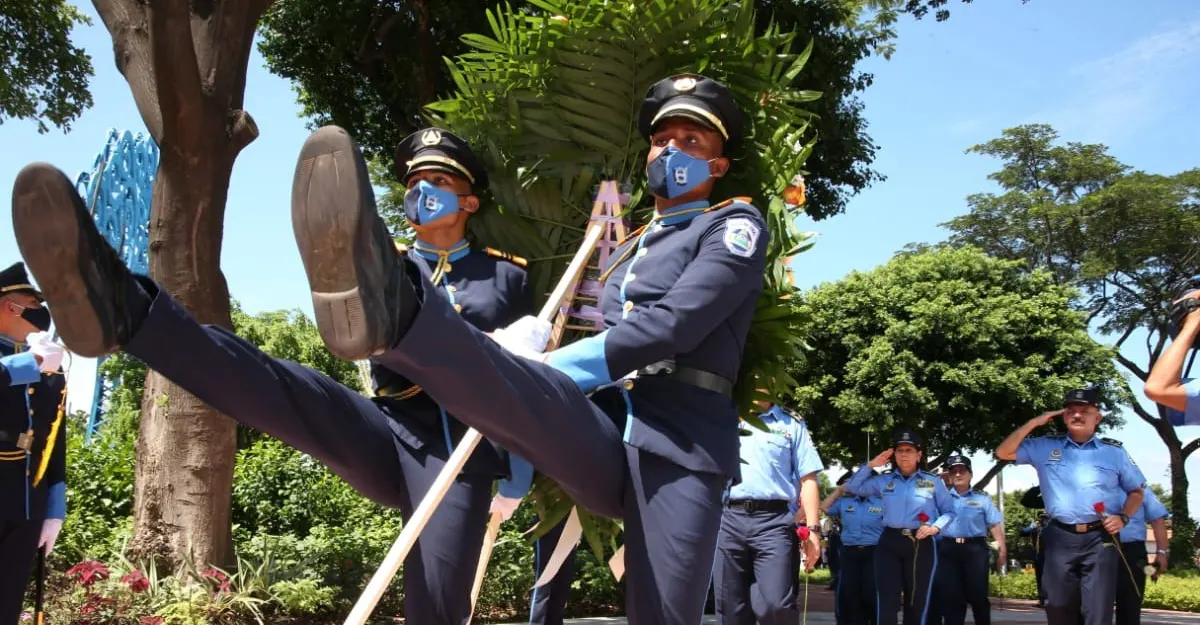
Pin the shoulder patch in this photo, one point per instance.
(1112, 441)
(512, 258)
(741, 236)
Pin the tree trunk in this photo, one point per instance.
(185, 63)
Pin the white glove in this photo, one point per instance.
(50, 352)
(50, 530)
(526, 337)
(504, 506)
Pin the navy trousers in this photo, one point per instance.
(1131, 583)
(833, 557)
(547, 603)
(18, 549)
(855, 597)
(904, 570)
(354, 436)
(757, 570)
(1080, 576)
(671, 514)
(962, 580)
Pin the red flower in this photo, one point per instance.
(802, 532)
(151, 620)
(88, 572)
(923, 518)
(1098, 507)
(136, 580)
(220, 577)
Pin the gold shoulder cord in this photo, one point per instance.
(49, 449)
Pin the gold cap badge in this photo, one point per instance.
(685, 84)
(431, 137)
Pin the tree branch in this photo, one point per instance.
(1146, 416)
(176, 74)
(126, 23)
(991, 474)
(1125, 336)
(1132, 367)
(1190, 448)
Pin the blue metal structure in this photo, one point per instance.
(118, 190)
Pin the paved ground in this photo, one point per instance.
(1004, 612)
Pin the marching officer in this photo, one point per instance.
(548, 603)
(390, 447)
(861, 520)
(653, 444)
(33, 448)
(757, 555)
(1091, 487)
(1131, 579)
(916, 507)
(963, 555)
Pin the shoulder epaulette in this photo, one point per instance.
(791, 413)
(730, 202)
(979, 491)
(1056, 435)
(512, 258)
(1112, 441)
(401, 248)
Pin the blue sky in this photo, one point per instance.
(1104, 71)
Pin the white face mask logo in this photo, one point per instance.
(431, 204)
(681, 175)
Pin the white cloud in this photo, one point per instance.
(1115, 95)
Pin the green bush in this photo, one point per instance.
(1174, 591)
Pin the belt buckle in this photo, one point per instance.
(906, 532)
(960, 540)
(1081, 528)
(25, 441)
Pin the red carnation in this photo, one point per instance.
(802, 532)
(1098, 507)
(923, 518)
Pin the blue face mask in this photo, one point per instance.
(424, 203)
(675, 172)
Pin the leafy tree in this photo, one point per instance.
(355, 65)
(43, 76)
(960, 346)
(186, 68)
(1126, 239)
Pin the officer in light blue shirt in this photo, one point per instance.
(1131, 581)
(916, 507)
(1166, 385)
(1091, 487)
(757, 550)
(963, 553)
(861, 520)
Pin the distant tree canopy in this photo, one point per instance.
(43, 76)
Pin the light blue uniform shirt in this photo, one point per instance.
(974, 513)
(861, 519)
(905, 498)
(1074, 477)
(1192, 415)
(776, 460)
(1151, 509)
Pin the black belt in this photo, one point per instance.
(974, 540)
(21, 440)
(1079, 528)
(759, 505)
(860, 547)
(901, 530)
(696, 377)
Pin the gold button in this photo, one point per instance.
(31, 390)
(451, 288)
(628, 385)
(458, 308)
(448, 268)
(628, 306)
(31, 412)
(643, 252)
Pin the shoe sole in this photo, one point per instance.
(46, 221)
(333, 219)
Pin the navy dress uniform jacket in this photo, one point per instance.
(23, 407)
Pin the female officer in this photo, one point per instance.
(916, 506)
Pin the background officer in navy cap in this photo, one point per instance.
(916, 507)
(755, 577)
(655, 449)
(963, 553)
(1166, 385)
(390, 447)
(33, 450)
(1131, 579)
(1032, 499)
(861, 521)
(1086, 507)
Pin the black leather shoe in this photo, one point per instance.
(362, 297)
(92, 296)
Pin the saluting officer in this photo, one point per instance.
(678, 300)
(916, 507)
(963, 555)
(391, 447)
(33, 449)
(861, 520)
(1091, 487)
(1131, 581)
(547, 603)
(757, 555)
